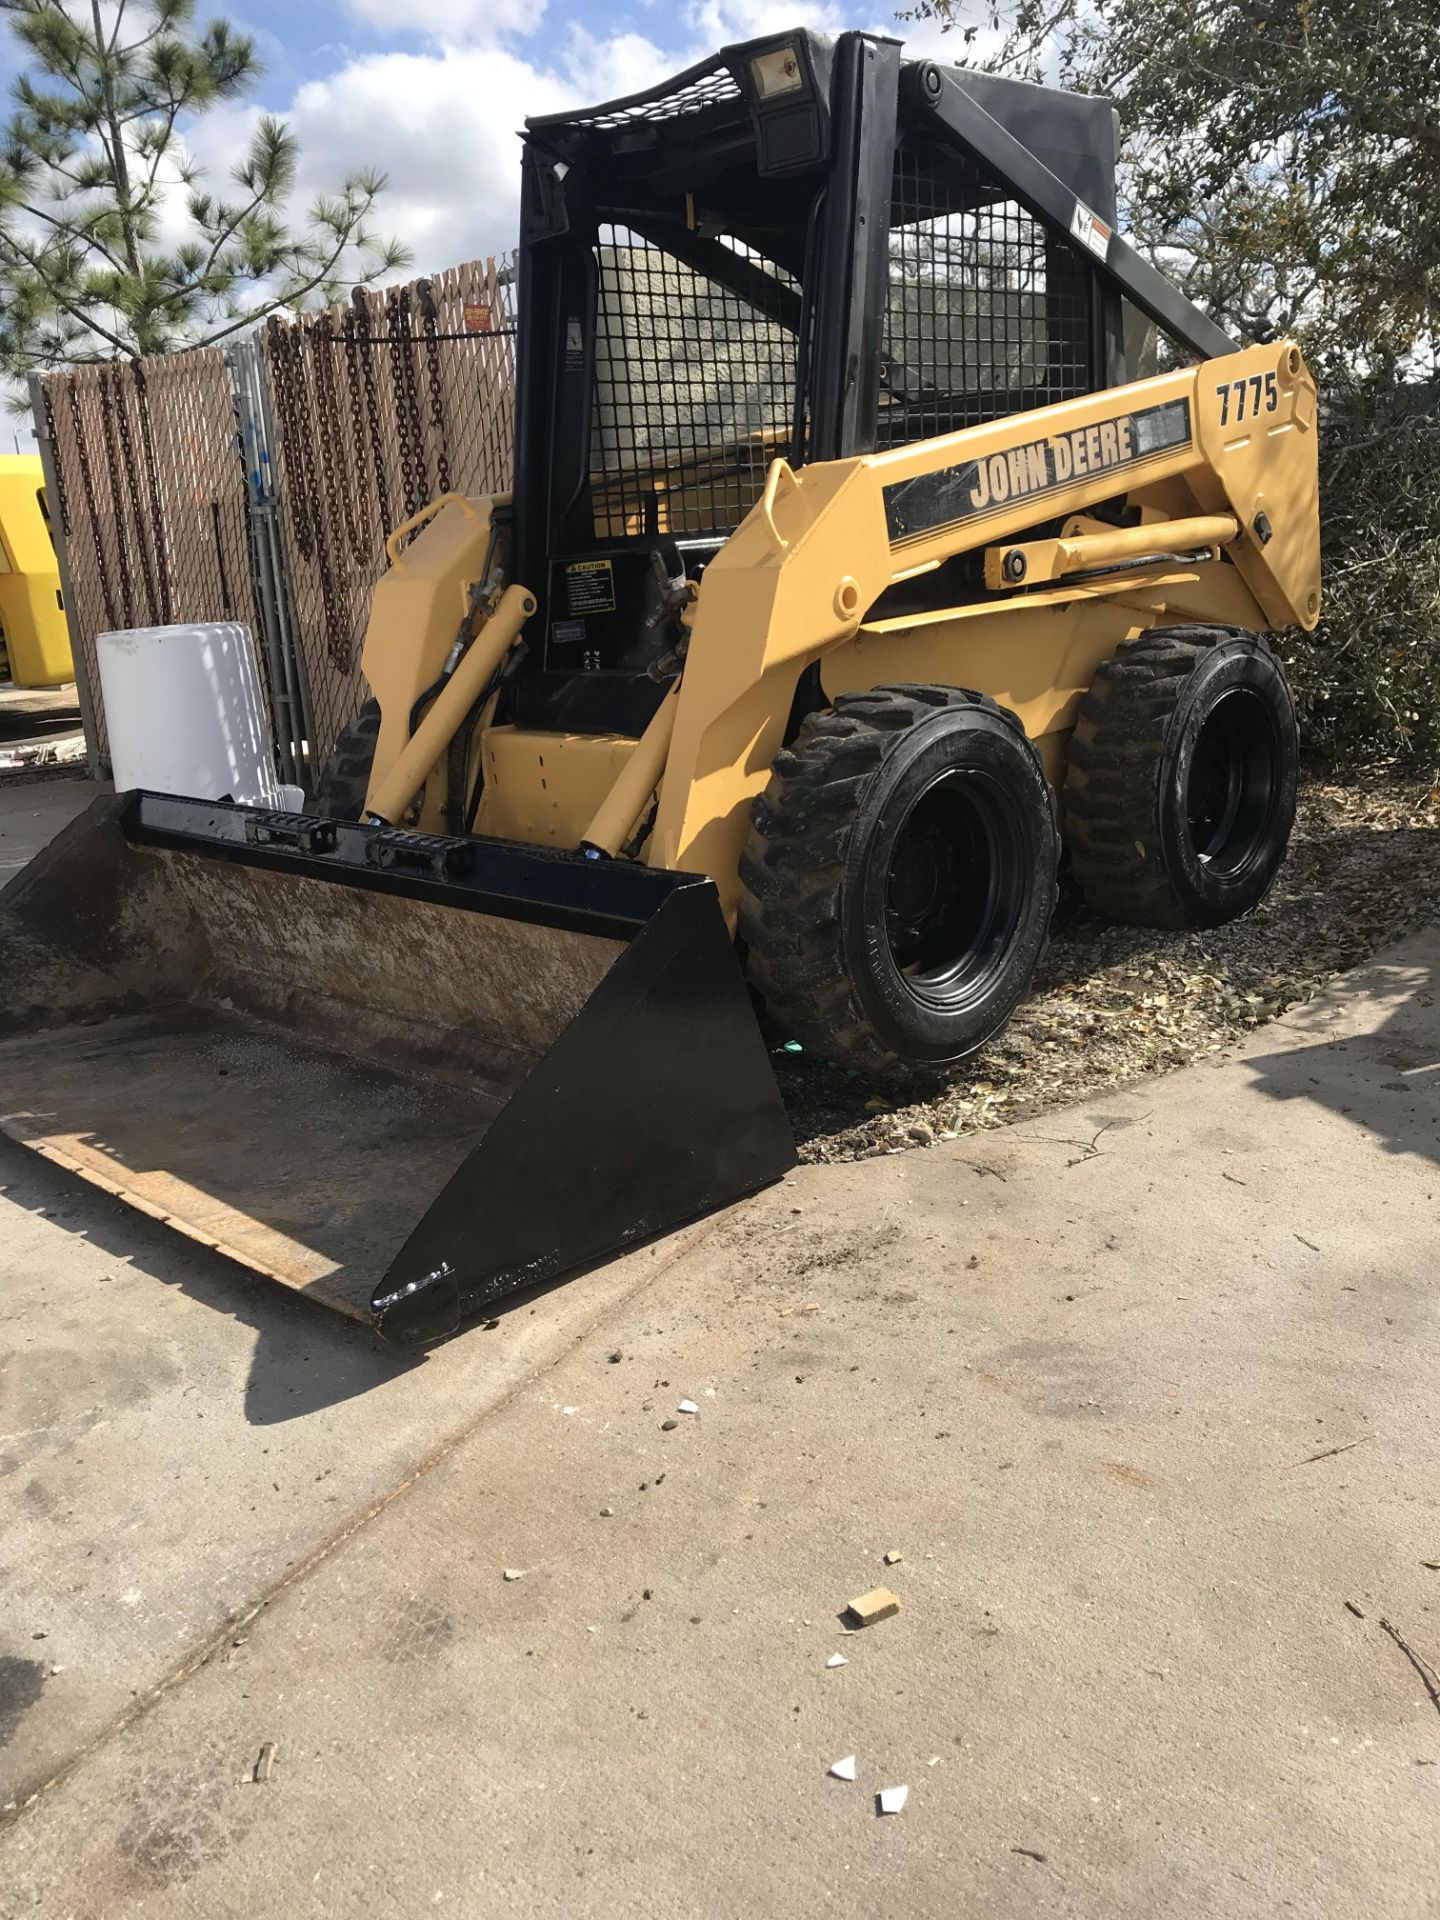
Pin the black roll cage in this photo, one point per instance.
(808, 165)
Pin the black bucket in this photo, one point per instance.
(402, 1074)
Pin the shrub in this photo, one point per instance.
(1367, 681)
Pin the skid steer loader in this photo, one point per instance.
(881, 524)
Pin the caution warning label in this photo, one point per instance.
(590, 586)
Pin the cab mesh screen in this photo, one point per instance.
(694, 391)
(987, 313)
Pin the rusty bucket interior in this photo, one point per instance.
(403, 1076)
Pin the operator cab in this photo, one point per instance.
(792, 249)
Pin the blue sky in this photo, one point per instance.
(432, 91)
(300, 41)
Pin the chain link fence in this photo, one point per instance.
(151, 499)
(378, 408)
(259, 484)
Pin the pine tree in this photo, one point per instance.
(94, 169)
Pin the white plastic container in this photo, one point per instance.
(186, 714)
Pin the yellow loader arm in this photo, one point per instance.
(1220, 460)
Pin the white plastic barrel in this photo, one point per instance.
(186, 713)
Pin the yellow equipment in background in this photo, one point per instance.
(34, 638)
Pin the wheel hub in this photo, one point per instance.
(951, 892)
(1234, 776)
(917, 878)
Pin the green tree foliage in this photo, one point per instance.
(1282, 165)
(1368, 678)
(110, 240)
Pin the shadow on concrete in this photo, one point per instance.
(17, 729)
(306, 1356)
(1387, 1081)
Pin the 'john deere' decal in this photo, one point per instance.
(979, 487)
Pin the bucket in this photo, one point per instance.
(401, 1073)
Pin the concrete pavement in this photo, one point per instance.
(32, 812)
(1142, 1392)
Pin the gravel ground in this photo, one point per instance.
(1113, 1004)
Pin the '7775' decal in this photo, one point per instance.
(1251, 388)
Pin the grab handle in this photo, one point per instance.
(417, 520)
(780, 469)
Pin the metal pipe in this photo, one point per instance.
(426, 746)
(297, 670)
(636, 781)
(287, 721)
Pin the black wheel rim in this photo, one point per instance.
(1235, 772)
(955, 890)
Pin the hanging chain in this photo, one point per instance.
(293, 440)
(62, 498)
(152, 487)
(372, 408)
(322, 340)
(121, 376)
(87, 487)
(437, 397)
(413, 479)
(308, 501)
(112, 462)
(360, 476)
(339, 643)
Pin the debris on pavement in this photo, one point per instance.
(687, 1406)
(879, 1604)
(891, 1799)
(1350, 1607)
(513, 1573)
(836, 1660)
(844, 1769)
(893, 1559)
(668, 1426)
(264, 1762)
(1328, 1453)
(1429, 1677)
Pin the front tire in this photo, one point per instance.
(1184, 768)
(345, 777)
(900, 877)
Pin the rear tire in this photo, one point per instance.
(1184, 765)
(345, 778)
(899, 878)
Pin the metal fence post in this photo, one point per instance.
(94, 767)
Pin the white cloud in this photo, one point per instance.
(440, 118)
(443, 128)
(452, 23)
(598, 70)
(442, 124)
(715, 23)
